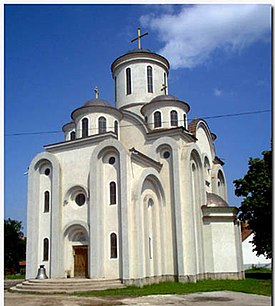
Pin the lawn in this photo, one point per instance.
(254, 286)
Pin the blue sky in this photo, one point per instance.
(55, 55)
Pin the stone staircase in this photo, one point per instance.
(66, 285)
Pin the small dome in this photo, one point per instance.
(165, 98)
(214, 200)
(97, 102)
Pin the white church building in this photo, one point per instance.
(134, 192)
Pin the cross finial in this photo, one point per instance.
(164, 87)
(96, 92)
(139, 37)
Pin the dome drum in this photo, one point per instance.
(165, 112)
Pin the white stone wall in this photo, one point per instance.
(139, 82)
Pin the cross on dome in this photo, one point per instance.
(139, 37)
(96, 92)
(164, 87)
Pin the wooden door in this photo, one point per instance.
(81, 261)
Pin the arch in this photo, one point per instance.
(157, 119)
(34, 193)
(149, 79)
(102, 122)
(76, 226)
(218, 181)
(174, 118)
(96, 211)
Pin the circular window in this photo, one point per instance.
(112, 160)
(80, 199)
(166, 154)
(47, 171)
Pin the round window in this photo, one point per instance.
(112, 160)
(80, 199)
(166, 154)
(47, 171)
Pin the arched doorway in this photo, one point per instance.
(76, 252)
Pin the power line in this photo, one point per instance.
(127, 125)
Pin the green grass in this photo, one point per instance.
(253, 286)
(15, 276)
(258, 270)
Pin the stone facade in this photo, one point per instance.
(132, 193)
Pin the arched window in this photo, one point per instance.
(157, 119)
(221, 185)
(85, 127)
(46, 249)
(46, 201)
(173, 118)
(184, 121)
(149, 79)
(101, 125)
(128, 81)
(113, 240)
(72, 135)
(116, 127)
(112, 193)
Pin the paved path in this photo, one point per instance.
(219, 298)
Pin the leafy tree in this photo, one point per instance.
(14, 244)
(256, 207)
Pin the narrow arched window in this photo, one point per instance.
(46, 249)
(149, 79)
(112, 193)
(113, 240)
(116, 127)
(173, 118)
(101, 125)
(46, 201)
(72, 135)
(128, 81)
(184, 121)
(157, 119)
(85, 127)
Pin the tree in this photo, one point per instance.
(256, 207)
(14, 244)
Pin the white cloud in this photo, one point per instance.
(192, 33)
(217, 92)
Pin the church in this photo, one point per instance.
(135, 192)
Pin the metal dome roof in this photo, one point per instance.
(214, 200)
(97, 102)
(165, 98)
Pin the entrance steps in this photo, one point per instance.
(66, 285)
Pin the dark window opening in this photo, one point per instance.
(80, 199)
(174, 118)
(46, 201)
(46, 249)
(85, 127)
(112, 193)
(47, 171)
(101, 125)
(113, 245)
(116, 127)
(72, 135)
(149, 79)
(128, 81)
(157, 119)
